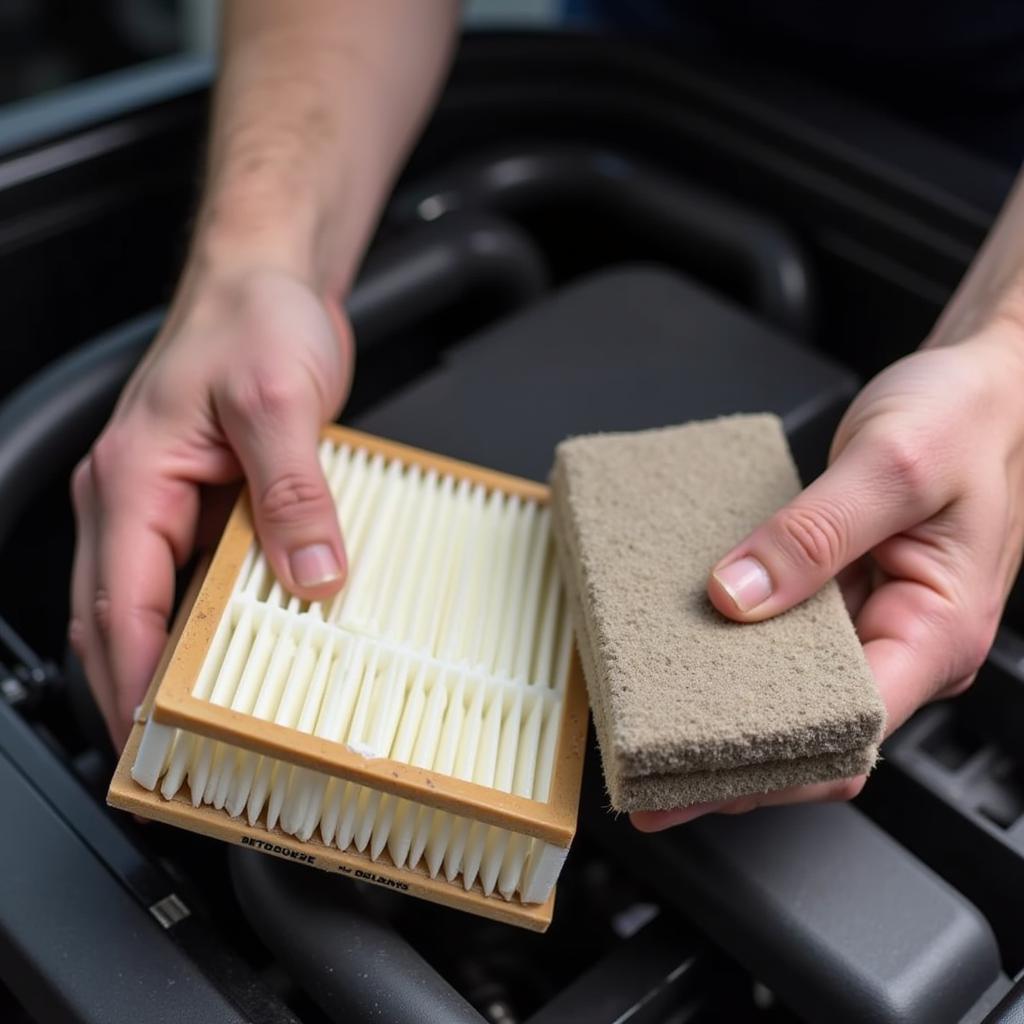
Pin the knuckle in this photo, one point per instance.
(292, 496)
(906, 467)
(77, 636)
(102, 612)
(263, 397)
(811, 536)
(107, 456)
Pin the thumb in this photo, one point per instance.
(275, 434)
(866, 496)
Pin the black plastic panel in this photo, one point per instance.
(826, 909)
(74, 944)
(951, 788)
(1011, 1008)
(622, 350)
(657, 974)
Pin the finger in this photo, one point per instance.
(145, 527)
(833, 791)
(275, 434)
(867, 495)
(914, 646)
(82, 632)
(134, 596)
(658, 821)
(817, 792)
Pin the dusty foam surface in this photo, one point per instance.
(689, 706)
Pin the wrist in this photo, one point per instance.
(226, 270)
(256, 229)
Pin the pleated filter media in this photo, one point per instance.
(423, 730)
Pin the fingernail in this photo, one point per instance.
(746, 581)
(314, 565)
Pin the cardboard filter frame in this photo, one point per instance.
(170, 702)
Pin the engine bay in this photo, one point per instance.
(599, 245)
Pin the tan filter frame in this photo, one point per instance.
(171, 703)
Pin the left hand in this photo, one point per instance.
(250, 364)
(921, 516)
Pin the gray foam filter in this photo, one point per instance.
(689, 706)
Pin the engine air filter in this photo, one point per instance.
(423, 730)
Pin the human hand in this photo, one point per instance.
(248, 367)
(921, 516)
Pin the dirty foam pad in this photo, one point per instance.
(688, 706)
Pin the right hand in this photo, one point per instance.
(920, 514)
(247, 369)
